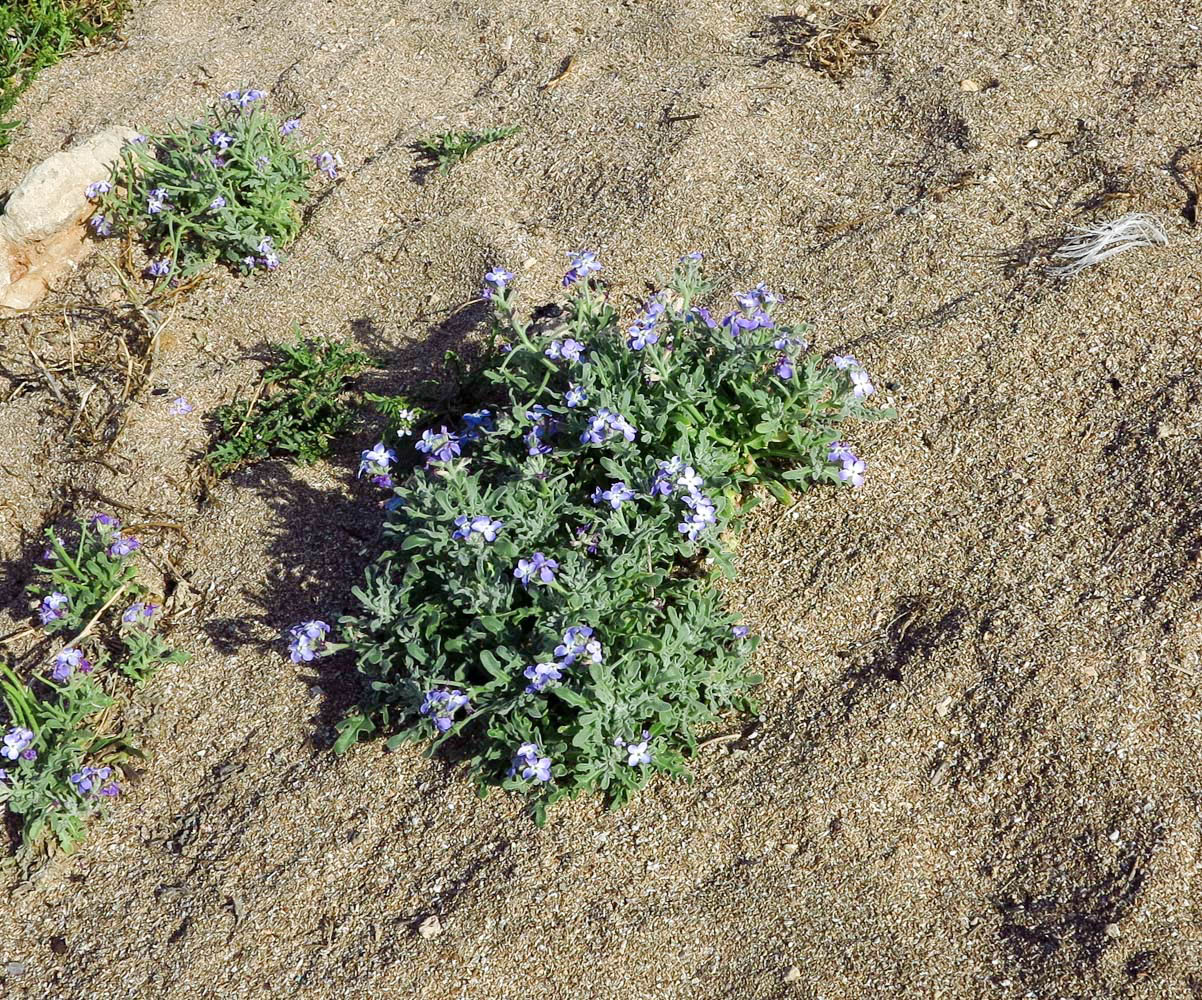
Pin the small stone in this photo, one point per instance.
(431, 927)
(970, 86)
(793, 975)
(14, 969)
(944, 708)
(1112, 931)
(1032, 143)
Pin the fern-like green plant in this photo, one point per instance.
(448, 148)
(297, 409)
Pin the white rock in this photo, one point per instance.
(42, 235)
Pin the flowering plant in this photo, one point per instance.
(63, 745)
(542, 595)
(222, 189)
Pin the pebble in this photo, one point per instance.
(14, 969)
(431, 927)
(793, 975)
(970, 86)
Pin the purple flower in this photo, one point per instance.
(67, 662)
(844, 361)
(377, 462)
(565, 350)
(533, 766)
(441, 705)
(852, 472)
(86, 779)
(156, 200)
(538, 565)
(244, 100)
(666, 473)
(738, 323)
(16, 742)
(262, 162)
(100, 225)
(179, 407)
(702, 514)
(442, 446)
(840, 452)
(217, 204)
(266, 245)
(308, 641)
(496, 280)
(53, 607)
(692, 257)
(159, 268)
(249, 263)
(615, 496)
(106, 524)
(575, 396)
(123, 546)
(784, 367)
(139, 613)
(578, 641)
(638, 753)
(97, 188)
(643, 332)
(689, 480)
(290, 126)
(222, 140)
(476, 424)
(542, 675)
(328, 163)
(582, 265)
(861, 386)
(703, 314)
(482, 526)
(604, 424)
(218, 161)
(740, 631)
(111, 790)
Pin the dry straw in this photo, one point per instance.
(1094, 244)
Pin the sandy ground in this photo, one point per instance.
(977, 769)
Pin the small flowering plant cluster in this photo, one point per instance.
(62, 745)
(542, 596)
(225, 189)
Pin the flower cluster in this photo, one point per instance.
(53, 607)
(615, 496)
(138, 613)
(18, 742)
(67, 662)
(851, 467)
(441, 446)
(544, 426)
(530, 763)
(109, 530)
(440, 706)
(566, 350)
(582, 265)
(308, 641)
(538, 568)
(476, 527)
(377, 463)
(637, 754)
(643, 332)
(94, 781)
(754, 312)
(496, 282)
(861, 384)
(604, 424)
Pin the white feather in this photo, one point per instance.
(1094, 244)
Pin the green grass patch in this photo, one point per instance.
(35, 34)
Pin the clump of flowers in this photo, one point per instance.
(223, 189)
(548, 566)
(308, 641)
(65, 744)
